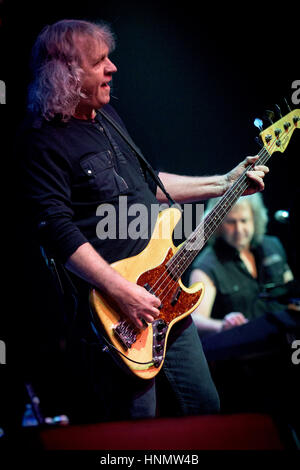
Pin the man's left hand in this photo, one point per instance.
(256, 175)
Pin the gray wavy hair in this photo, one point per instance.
(55, 88)
(259, 210)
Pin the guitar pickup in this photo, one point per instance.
(176, 296)
(149, 289)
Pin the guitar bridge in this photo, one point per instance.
(125, 333)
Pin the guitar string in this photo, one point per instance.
(175, 269)
(243, 185)
(232, 189)
(212, 221)
(165, 277)
(240, 185)
(213, 213)
(220, 205)
(241, 181)
(265, 156)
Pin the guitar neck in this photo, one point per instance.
(206, 228)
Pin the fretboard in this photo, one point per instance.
(206, 228)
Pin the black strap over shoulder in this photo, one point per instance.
(138, 152)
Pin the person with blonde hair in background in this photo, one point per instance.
(243, 269)
(245, 320)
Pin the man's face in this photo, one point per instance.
(98, 71)
(238, 227)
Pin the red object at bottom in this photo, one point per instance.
(211, 432)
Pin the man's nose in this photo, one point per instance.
(110, 67)
(239, 227)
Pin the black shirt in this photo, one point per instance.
(72, 172)
(237, 289)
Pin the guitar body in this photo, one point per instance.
(143, 351)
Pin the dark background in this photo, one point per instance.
(191, 80)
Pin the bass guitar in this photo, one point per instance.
(159, 268)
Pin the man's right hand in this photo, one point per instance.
(137, 303)
(133, 300)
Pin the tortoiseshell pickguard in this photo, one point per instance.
(165, 288)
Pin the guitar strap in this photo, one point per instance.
(138, 152)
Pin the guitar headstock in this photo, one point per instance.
(276, 138)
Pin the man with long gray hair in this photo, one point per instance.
(75, 159)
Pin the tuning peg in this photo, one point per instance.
(278, 110)
(288, 107)
(258, 123)
(270, 115)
